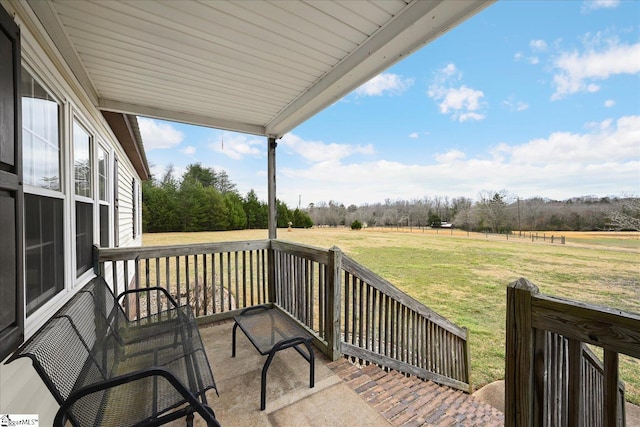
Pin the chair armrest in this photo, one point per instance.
(204, 411)
(152, 288)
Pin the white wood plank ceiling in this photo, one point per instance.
(251, 66)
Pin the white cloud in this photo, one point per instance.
(609, 103)
(413, 135)
(158, 135)
(535, 46)
(463, 103)
(514, 105)
(590, 5)
(238, 146)
(189, 150)
(385, 83)
(158, 171)
(602, 160)
(450, 156)
(319, 152)
(577, 72)
(539, 45)
(606, 141)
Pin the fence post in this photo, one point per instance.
(519, 363)
(332, 307)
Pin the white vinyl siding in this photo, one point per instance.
(21, 389)
(126, 208)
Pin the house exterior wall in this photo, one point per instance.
(21, 389)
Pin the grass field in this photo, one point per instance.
(464, 276)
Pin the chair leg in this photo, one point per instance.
(190, 420)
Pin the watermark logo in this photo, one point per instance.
(12, 420)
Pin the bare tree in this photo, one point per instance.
(627, 214)
(494, 208)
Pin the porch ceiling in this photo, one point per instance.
(249, 66)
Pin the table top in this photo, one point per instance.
(267, 327)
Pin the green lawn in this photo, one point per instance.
(465, 278)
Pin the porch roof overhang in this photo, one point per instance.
(125, 128)
(254, 67)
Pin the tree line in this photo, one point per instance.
(493, 211)
(204, 199)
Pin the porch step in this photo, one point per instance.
(409, 401)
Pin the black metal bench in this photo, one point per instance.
(104, 369)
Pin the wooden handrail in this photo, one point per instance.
(384, 325)
(532, 364)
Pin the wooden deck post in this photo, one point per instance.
(332, 318)
(519, 363)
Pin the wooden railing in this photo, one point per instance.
(383, 325)
(216, 279)
(349, 309)
(551, 376)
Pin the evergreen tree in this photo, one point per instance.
(257, 213)
(237, 217)
(193, 202)
(283, 214)
(301, 219)
(195, 172)
(216, 210)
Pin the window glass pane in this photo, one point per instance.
(44, 263)
(82, 160)
(103, 160)
(84, 237)
(40, 135)
(104, 226)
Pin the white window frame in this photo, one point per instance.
(33, 320)
(75, 198)
(101, 146)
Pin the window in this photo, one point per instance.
(103, 200)
(40, 135)
(44, 249)
(43, 201)
(84, 203)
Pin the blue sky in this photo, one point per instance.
(539, 98)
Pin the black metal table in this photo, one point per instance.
(270, 331)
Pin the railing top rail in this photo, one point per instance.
(306, 251)
(609, 328)
(388, 289)
(123, 254)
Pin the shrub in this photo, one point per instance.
(356, 225)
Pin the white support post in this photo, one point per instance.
(271, 189)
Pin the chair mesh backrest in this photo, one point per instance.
(105, 301)
(89, 340)
(61, 357)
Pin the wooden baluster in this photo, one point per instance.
(610, 418)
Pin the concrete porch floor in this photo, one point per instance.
(344, 394)
(290, 401)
